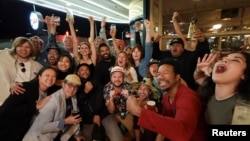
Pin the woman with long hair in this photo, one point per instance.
(140, 56)
(85, 52)
(122, 60)
(224, 84)
(17, 111)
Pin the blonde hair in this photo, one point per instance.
(19, 41)
(128, 63)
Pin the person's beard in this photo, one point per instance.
(108, 57)
(115, 85)
(52, 61)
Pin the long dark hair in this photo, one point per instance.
(243, 90)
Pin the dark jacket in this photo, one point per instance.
(187, 60)
(17, 112)
(91, 103)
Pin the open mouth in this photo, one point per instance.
(174, 50)
(141, 95)
(120, 62)
(220, 68)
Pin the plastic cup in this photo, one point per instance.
(151, 105)
(112, 26)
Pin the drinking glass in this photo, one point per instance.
(241, 115)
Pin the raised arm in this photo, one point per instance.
(73, 34)
(102, 32)
(178, 29)
(137, 33)
(115, 45)
(91, 40)
(148, 50)
(51, 26)
(148, 35)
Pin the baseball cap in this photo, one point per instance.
(73, 78)
(54, 47)
(117, 69)
(153, 61)
(177, 40)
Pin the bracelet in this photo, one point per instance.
(148, 30)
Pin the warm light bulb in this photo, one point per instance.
(217, 26)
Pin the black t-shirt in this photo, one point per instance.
(102, 71)
(188, 60)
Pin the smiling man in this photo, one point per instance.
(187, 59)
(181, 108)
(17, 65)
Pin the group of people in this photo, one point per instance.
(109, 87)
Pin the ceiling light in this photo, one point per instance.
(217, 26)
(119, 3)
(226, 19)
(82, 11)
(98, 5)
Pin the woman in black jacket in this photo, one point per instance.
(17, 111)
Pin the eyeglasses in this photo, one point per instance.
(23, 67)
(70, 85)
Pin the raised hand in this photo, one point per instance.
(103, 23)
(137, 25)
(91, 19)
(147, 24)
(205, 65)
(175, 15)
(69, 19)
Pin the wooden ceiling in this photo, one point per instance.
(208, 13)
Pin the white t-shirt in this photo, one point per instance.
(23, 71)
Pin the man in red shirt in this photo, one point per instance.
(181, 118)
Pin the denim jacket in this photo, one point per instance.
(145, 61)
